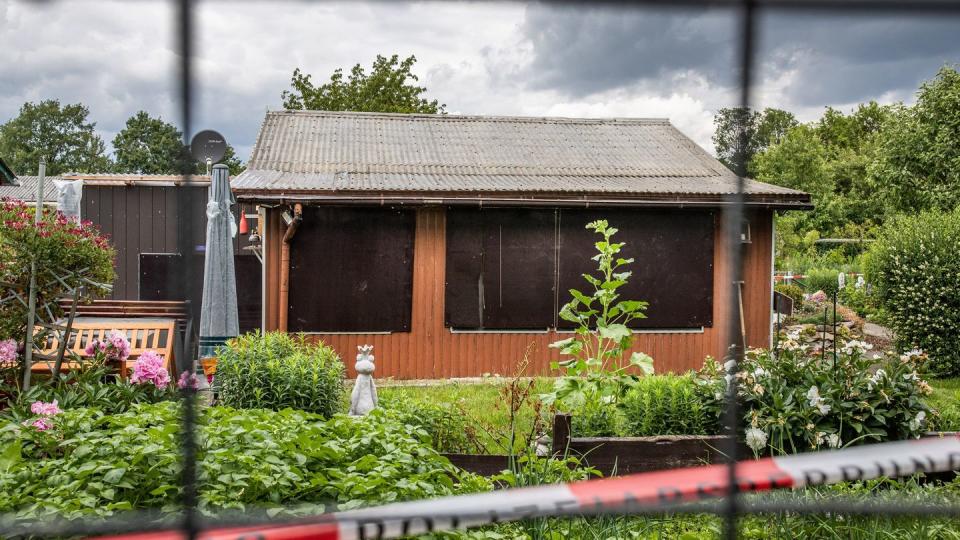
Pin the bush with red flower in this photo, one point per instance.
(59, 246)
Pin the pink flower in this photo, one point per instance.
(8, 351)
(45, 409)
(42, 424)
(188, 380)
(149, 368)
(119, 348)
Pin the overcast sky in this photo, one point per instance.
(477, 58)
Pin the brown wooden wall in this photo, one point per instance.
(430, 350)
(144, 219)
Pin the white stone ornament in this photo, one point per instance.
(364, 396)
(842, 280)
(860, 282)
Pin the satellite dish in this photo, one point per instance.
(208, 145)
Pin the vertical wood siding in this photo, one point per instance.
(431, 351)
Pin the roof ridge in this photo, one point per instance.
(476, 117)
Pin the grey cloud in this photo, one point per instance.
(586, 50)
(835, 59)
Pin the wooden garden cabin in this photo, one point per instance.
(450, 242)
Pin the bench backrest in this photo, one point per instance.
(155, 335)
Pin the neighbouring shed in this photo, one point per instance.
(140, 214)
(449, 242)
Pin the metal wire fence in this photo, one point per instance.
(731, 505)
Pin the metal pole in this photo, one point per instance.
(32, 302)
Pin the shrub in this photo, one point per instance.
(821, 279)
(666, 405)
(57, 245)
(445, 424)
(792, 402)
(276, 371)
(284, 462)
(914, 266)
(793, 291)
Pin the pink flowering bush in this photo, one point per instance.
(8, 351)
(40, 424)
(149, 368)
(45, 409)
(115, 348)
(46, 412)
(188, 380)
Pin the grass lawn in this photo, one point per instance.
(946, 399)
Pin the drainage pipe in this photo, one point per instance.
(292, 226)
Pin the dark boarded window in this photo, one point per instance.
(672, 268)
(351, 270)
(500, 268)
(512, 268)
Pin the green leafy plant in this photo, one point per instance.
(275, 370)
(447, 426)
(795, 402)
(794, 292)
(276, 462)
(821, 279)
(666, 405)
(596, 370)
(914, 266)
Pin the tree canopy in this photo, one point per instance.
(60, 133)
(149, 145)
(918, 162)
(389, 87)
(739, 134)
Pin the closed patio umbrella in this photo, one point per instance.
(218, 311)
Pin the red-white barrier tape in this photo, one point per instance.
(647, 489)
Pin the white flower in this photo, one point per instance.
(917, 421)
(819, 438)
(757, 389)
(759, 372)
(911, 354)
(856, 347)
(833, 440)
(876, 378)
(911, 376)
(813, 395)
(756, 439)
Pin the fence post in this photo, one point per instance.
(561, 433)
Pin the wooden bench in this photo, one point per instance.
(157, 334)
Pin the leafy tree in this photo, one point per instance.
(389, 87)
(148, 145)
(740, 133)
(61, 134)
(918, 163)
(229, 159)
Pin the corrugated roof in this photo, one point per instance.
(27, 190)
(317, 152)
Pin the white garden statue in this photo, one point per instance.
(364, 396)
